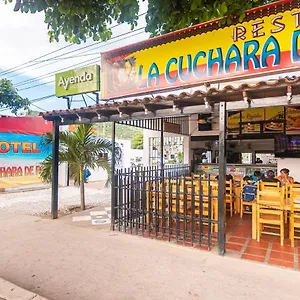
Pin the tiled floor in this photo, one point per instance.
(97, 216)
(268, 250)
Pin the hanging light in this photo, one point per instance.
(120, 114)
(79, 117)
(146, 111)
(207, 105)
(174, 107)
(62, 119)
(99, 116)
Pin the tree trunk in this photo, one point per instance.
(82, 194)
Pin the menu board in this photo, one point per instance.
(277, 114)
(252, 115)
(274, 114)
(233, 122)
(293, 118)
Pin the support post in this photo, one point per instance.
(55, 149)
(162, 144)
(113, 167)
(222, 177)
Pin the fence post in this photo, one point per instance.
(55, 151)
(222, 177)
(113, 166)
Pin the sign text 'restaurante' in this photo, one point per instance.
(216, 61)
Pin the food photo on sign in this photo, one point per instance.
(274, 119)
(293, 118)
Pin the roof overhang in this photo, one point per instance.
(283, 91)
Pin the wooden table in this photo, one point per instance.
(254, 220)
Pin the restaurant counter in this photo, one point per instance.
(234, 169)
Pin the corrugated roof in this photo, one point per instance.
(259, 90)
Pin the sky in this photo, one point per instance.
(24, 38)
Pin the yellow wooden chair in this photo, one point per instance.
(294, 213)
(270, 213)
(244, 203)
(207, 190)
(237, 186)
(229, 198)
(263, 186)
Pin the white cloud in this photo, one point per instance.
(24, 37)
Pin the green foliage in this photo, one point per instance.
(32, 113)
(137, 142)
(9, 97)
(77, 20)
(123, 132)
(80, 149)
(168, 16)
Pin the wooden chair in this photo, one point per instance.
(237, 185)
(268, 185)
(294, 213)
(244, 203)
(207, 190)
(229, 197)
(270, 213)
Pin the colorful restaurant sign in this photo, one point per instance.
(21, 151)
(271, 118)
(266, 41)
(77, 81)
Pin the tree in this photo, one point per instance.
(9, 97)
(123, 132)
(81, 150)
(32, 113)
(137, 142)
(76, 20)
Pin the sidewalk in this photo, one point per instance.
(9, 291)
(63, 261)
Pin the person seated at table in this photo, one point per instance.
(247, 178)
(228, 177)
(284, 177)
(270, 177)
(257, 176)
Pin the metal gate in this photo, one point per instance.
(167, 204)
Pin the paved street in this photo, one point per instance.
(61, 260)
(38, 202)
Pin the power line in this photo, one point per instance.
(13, 69)
(121, 35)
(93, 59)
(34, 100)
(51, 74)
(34, 62)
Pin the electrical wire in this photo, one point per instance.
(54, 72)
(34, 61)
(34, 101)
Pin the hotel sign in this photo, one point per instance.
(267, 41)
(77, 81)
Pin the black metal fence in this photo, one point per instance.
(167, 204)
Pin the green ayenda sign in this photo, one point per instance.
(77, 81)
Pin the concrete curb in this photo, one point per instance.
(9, 291)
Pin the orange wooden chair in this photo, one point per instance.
(270, 213)
(294, 213)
